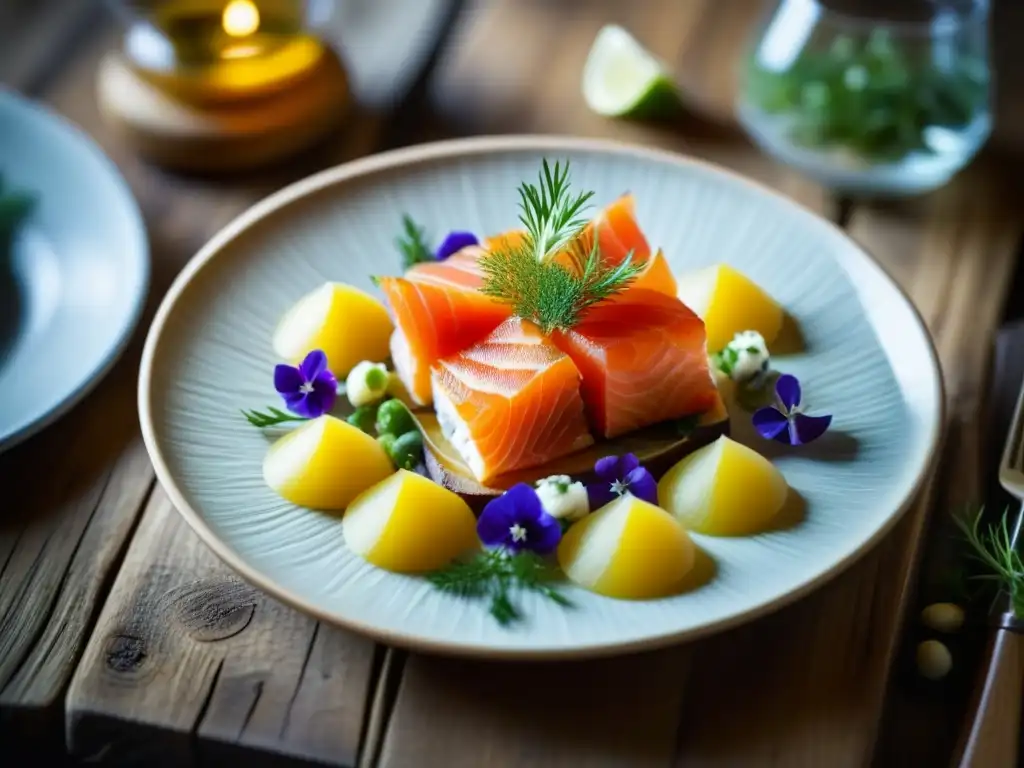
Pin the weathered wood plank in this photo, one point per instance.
(184, 648)
(612, 712)
(62, 537)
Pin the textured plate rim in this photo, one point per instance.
(130, 208)
(454, 149)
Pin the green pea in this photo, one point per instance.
(363, 418)
(407, 450)
(387, 442)
(393, 418)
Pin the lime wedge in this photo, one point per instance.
(622, 79)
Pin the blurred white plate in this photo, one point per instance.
(73, 286)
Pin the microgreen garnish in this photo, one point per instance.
(412, 243)
(494, 574)
(271, 418)
(518, 532)
(618, 475)
(527, 275)
(994, 549)
(786, 422)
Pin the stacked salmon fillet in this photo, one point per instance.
(509, 397)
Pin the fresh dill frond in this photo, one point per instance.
(550, 213)
(412, 243)
(550, 276)
(493, 575)
(994, 549)
(271, 418)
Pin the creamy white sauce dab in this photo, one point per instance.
(752, 358)
(562, 498)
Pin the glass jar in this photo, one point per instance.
(881, 104)
(224, 50)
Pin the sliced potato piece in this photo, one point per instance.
(729, 302)
(348, 324)
(723, 489)
(408, 524)
(627, 549)
(324, 464)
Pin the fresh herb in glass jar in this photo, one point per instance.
(870, 97)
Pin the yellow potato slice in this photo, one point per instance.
(408, 524)
(324, 464)
(723, 489)
(348, 324)
(729, 302)
(628, 549)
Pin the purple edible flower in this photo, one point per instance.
(453, 243)
(786, 422)
(310, 389)
(516, 521)
(618, 475)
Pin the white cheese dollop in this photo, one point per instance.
(562, 498)
(752, 357)
(366, 383)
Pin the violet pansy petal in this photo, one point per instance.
(546, 533)
(320, 400)
(770, 422)
(453, 243)
(607, 468)
(314, 364)
(627, 463)
(788, 390)
(599, 494)
(298, 404)
(643, 485)
(495, 521)
(804, 429)
(287, 379)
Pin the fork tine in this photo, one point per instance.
(1013, 452)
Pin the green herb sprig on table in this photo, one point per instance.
(992, 549)
(872, 97)
(530, 278)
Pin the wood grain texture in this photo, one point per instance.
(207, 668)
(75, 492)
(995, 733)
(617, 712)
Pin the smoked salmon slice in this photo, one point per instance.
(438, 310)
(511, 401)
(618, 232)
(643, 359)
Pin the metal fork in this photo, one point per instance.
(993, 740)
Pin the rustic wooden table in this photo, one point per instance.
(124, 638)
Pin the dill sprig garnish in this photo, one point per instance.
(994, 549)
(494, 574)
(412, 243)
(271, 418)
(553, 292)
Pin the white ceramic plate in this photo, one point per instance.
(76, 279)
(868, 360)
